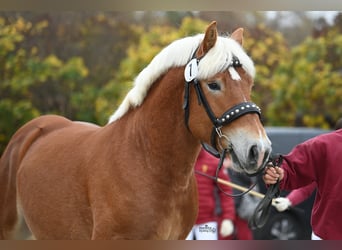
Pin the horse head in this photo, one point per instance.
(223, 114)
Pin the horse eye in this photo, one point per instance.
(214, 86)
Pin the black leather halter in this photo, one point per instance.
(218, 122)
(261, 214)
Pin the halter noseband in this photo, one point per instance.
(229, 116)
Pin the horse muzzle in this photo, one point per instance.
(248, 155)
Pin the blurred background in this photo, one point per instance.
(81, 64)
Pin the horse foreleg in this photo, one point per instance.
(102, 233)
(21, 230)
(16, 229)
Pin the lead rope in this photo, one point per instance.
(215, 178)
(222, 156)
(262, 211)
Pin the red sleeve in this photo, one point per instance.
(301, 194)
(227, 202)
(300, 165)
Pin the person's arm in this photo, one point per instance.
(294, 197)
(299, 167)
(301, 194)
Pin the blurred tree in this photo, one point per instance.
(26, 79)
(267, 49)
(151, 41)
(309, 86)
(230, 20)
(15, 108)
(294, 25)
(80, 64)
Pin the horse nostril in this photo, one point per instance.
(253, 155)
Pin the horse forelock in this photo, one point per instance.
(178, 54)
(220, 57)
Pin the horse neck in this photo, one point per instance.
(160, 127)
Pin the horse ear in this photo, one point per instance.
(238, 35)
(209, 39)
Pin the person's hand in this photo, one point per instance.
(281, 203)
(273, 174)
(227, 228)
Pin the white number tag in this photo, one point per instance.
(191, 70)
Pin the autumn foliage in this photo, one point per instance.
(83, 69)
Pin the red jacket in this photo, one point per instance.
(320, 160)
(207, 164)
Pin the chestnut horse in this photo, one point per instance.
(134, 177)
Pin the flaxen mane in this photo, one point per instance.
(179, 53)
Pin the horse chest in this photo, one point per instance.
(177, 222)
